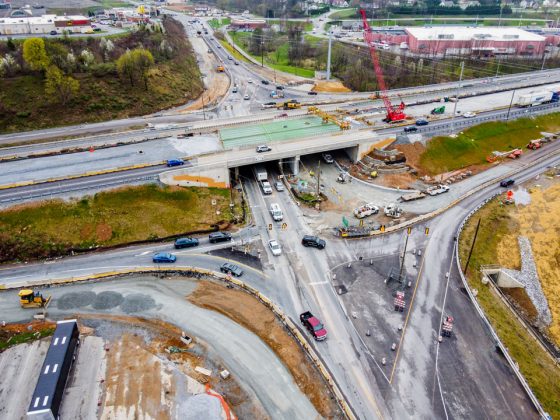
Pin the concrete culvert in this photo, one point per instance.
(75, 300)
(107, 300)
(137, 302)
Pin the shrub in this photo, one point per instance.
(103, 69)
(23, 114)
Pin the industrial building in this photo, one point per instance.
(47, 397)
(246, 23)
(460, 40)
(465, 40)
(45, 24)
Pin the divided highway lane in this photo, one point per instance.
(82, 185)
(298, 281)
(127, 258)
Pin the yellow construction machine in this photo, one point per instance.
(344, 125)
(32, 299)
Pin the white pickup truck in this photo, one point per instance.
(365, 210)
(438, 189)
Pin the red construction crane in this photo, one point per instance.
(394, 113)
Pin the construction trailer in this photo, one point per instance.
(47, 397)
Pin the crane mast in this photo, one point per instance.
(394, 113)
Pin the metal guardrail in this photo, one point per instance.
(481, 314)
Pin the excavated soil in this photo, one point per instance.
(250, 313)
(412, 153)
(402, 181)
(331, 86)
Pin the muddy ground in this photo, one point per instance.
(253, 315)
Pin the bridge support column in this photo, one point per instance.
(353, 153)
(294, 164)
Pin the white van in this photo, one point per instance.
(276, 212)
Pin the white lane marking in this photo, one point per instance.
(316, 283)
(19, 277)
(143, 253)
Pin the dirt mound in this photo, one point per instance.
(412, 152)
(402, 181)
(249, 312)
(330, 86)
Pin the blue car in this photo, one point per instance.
(186, 242)
(164, 257)
(175, 162)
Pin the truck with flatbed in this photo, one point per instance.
(416, 195)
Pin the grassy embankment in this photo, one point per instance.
(218, 23)
(277, 59)
(54, 228)
(102, 95)
(473, 145)
(537, 367)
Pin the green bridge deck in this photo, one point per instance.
(276, 131)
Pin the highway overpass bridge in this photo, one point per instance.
(215, 170)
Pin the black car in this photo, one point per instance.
(410, 129)
(279, 87)
(422, 122)
(314, 241)
(186, 242)
(507, 182)
(219, 237)
(311, 93)
(265, 82)
(230, 268)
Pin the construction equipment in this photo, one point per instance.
(438, 111)
(515, 154)
(534, 144)
(392, 210)
(220, 69)
(344, 125)
(32, 299)
(291, 104)
(394, 113)
(343, 178)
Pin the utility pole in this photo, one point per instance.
(318, 179)
(408, 230)
(510, 104)
(262, 53)
(203, 112)
(457, 97)
(543, 59)
(498, 68)
(472, 247)
(329, 57)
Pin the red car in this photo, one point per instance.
(313, 325)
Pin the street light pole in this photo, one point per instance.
(543, 60)
(510, 104)
(203, 112)
(457, 97)
(262, 53)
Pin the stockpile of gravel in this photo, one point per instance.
(529, 277)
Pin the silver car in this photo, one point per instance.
(275, 247)
(279, 186)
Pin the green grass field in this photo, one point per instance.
(345, 14)
(218, 23)
(109, 218)
(23, 337)
(538, 369)
(473, 145)
(277, 59)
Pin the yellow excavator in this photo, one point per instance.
(31, 299)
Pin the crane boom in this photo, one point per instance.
(394, 113)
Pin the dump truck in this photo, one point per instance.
(32, 299)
